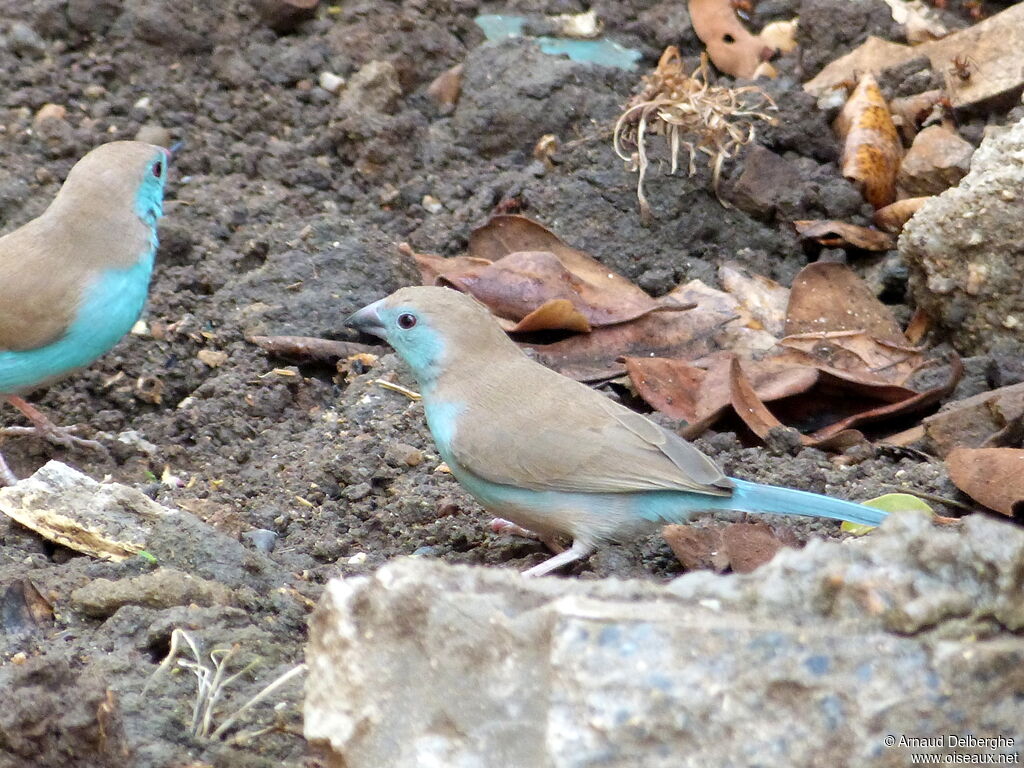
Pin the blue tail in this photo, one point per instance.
(757, 498)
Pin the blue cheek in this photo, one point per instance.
(422, 349)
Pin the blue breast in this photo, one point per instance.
(111, 304)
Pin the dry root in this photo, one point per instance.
(692, 115)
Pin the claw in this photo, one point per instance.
(45, 429)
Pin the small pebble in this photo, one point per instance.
(398, 454)
(357, 559)
(49, 112)
(357, 491)
(330, 82)
(426, 552)
(260, 539)
(431, 204)
(94, 91)
(25, 41)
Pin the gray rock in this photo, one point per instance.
(965, 249)
(25, 41)
(812, 660)
(163, 588)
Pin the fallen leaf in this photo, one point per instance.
(853, 355)
(516, 267)
(749, 545)
(871, 145)
(763, 298)
(830, 297)
(993, 477)
(599, 355)
(697, 548)
(755, 414)
(839, 233)
(700, 392)
(894, 216)
(731, 46)
(780, 35)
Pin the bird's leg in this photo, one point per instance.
(501, 525)
(6, 476)
(46, 429)
(579, 549)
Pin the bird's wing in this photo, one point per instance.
(39, 289)
(536, 429)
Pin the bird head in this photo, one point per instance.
(434, 329)
(116, 177)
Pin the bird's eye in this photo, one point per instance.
(158, 169)
(406, 321)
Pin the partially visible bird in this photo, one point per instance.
(548, 453)
(74, 280)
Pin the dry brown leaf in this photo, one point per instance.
(737, 329)
(830, 297)
(749, 545)
(554, 314)
(755, 414)
(894, 216)
(598, 355)
(764, 299)
(854, 355)
(871, 146)
(697, 548)
(839, 233)
(991, 476)
(731, 46)
(699, 392)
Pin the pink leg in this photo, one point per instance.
(44, 428)
(6, 476)
(501, 525)
(577, 551)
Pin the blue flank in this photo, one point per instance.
(111, 304)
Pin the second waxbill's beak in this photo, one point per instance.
(367, 320)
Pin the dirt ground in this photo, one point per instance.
(284, 211)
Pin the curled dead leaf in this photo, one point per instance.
(840, 233)
(991, 476)
(894, 216)
(871, 146)
(731, 46)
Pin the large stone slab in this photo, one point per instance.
(812, 660)
(965, 249)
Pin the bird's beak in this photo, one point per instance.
(367, 320)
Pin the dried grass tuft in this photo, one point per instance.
(693, 115)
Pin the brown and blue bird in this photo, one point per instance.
(74, 280)
(548, 453)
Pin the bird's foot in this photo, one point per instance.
(501, 525)
(45, 429)
(6, 476)
(578, 551)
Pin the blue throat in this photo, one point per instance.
(111, 303)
